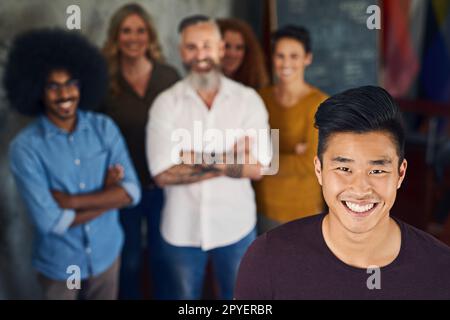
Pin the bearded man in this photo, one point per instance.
(210, 211)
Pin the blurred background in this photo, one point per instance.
(409, 56)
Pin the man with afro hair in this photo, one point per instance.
(71, 165)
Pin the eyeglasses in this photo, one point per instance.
(70, 85)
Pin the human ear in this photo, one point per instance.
(402, 173)
(318, 169)
(308, 59)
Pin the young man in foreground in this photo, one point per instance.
(355, 250)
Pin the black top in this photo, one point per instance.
(130, 112)
(293, 262)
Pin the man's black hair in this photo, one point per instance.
(191, 20)
(34, 54)
(361, 110)
(299, 33)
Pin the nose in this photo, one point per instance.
(283, 64)
(134, 37)
(360, 184)
(232, 52)
(201, 54)
(63, 92)
(286, 63)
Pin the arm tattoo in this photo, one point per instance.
(191, 173)
(185, 174)
(200, 170)
(234, 170)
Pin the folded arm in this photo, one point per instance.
(191, 172)
(91, 205)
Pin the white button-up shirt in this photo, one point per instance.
(219, 211)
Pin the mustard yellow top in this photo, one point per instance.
(294, 191)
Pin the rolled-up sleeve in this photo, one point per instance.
(34, 189)
(133, 191)
(67, 217)
(119, 155)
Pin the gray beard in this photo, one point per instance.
(207, 81)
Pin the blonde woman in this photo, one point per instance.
(137, 76)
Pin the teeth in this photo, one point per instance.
(287, 72)
(66, 105)
(359, 209)
(134, 47)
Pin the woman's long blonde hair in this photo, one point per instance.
(111, 50)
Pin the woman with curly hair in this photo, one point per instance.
(137, 75)
(244, 59)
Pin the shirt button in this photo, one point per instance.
(82, 186)
(86, 228)
(71, 138)
(77, 162)
(88, 250)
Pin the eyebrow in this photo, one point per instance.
(60, 82)
(342, 160)
(194, 44)
(379, 162)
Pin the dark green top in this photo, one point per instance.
(130, 112)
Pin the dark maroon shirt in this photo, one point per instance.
(293, 262)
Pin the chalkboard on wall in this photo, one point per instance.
(345, 50)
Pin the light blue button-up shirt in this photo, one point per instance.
(44, 157)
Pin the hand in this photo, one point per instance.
(247, 165)
(238, 171)
(243, 145)
(114, 175)
(252, 171)
(249, 168)
(64, 200)
(300, 148)
(187, 157)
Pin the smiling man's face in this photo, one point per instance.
(61, 96)
(360, 176)
(201, 48)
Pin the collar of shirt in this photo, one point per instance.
(50, 129)
(224, 89)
